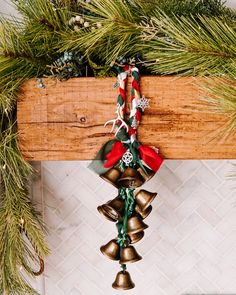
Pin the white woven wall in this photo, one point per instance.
(189, 247)
(231, 3)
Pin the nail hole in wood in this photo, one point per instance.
(82, 119)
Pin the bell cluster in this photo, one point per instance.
(114, 210)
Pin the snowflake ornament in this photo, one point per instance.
(143, 103)
(127, 158)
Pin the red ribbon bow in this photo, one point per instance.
(150, 157)
(115, 154)
(147, 154)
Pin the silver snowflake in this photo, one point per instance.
(143, 103)
(127, 158)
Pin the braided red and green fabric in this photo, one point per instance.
(126, 132)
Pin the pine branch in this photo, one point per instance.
(16, 66)
(16, 213)
(13, 73)
(221, 98)
(189, 46)
(116, 34)
(121, 25)
(17, 44)
(187, 8)
(44, 13)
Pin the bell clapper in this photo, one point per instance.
(123, 267)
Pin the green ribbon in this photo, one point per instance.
(127, 195)
(97, 165)
(122, 135)
(122, 166)
(134, 152)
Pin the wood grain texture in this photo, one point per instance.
(65, 120)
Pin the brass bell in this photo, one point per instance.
(123, 281)
(135, 225)
(111, 176)
(111, 250)
(129, 255)
(134, 238)
(146, 175)
(102, 211)
(113, 209)
(144, 198)
(130, 178)
(144, 213)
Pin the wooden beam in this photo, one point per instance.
(64, 121)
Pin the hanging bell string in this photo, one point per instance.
(130, 201)
(129, 127)
(123, 267)
(127, 195)
(120, 225)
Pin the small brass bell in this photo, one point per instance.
(111, 250)
(130, 178)
(111, 176)
(123, 281)
(134, 238)
(135, 225)
(144, 199)
(129, 255)
(103, 212)
(144, 213)
(113, 209)
(146, 175)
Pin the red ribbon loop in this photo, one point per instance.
(150, 157)
(115, 154)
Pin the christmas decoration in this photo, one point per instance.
(130, 165)
(168, 37)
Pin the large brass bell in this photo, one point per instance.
(144, 199)
(130, 178)
(123, 281)
(135, 225)
(147, 174)
(143, 213)
(111, 176)
(113, 209)
(129, 255)
(134, 238)
(111, 250)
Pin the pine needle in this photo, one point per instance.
(221, 98)
(202, 46)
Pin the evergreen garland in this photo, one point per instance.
(189, 37)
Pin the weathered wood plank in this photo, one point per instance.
(65, 120)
